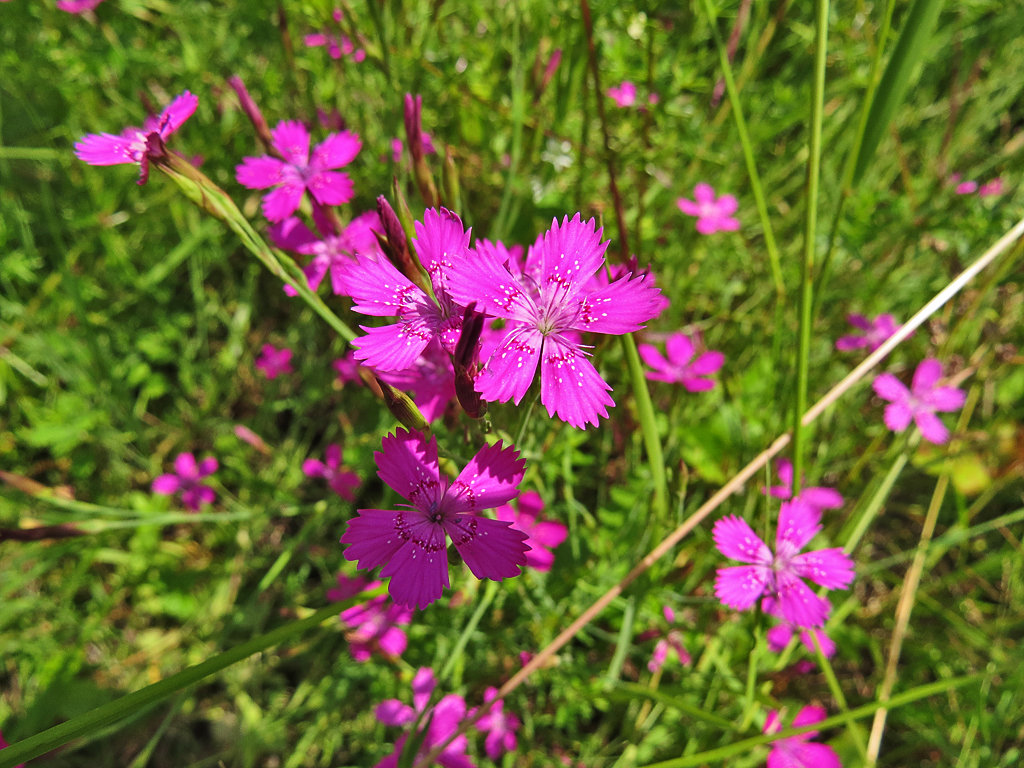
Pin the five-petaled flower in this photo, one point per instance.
(444, 719)
(681, 367)
(920, 402)
(185, 480)
(547, 305)
(499, 725)
(819, 497)
(779, 576)
(714, 214)
(273, 361)
(411, 543)
(799, 751)
(624, 94)
(374, 626)
(296, 171)
(133, 146)
(341, 482)
(875, 332)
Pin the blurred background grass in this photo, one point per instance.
(129, 324)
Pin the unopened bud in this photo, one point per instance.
(402, 407)
(255, 116)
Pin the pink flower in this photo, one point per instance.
(779, 576)
(624, 94)
(875, 332)
(4, 745)
(672, 640)
(185, 480)
(499, 726)
(714, 214)
(347, 368)
(337, 45)
(331, 252)
(378, 288)
(374, 625)
(818, 497)
(966, 187)
(398, 146)
(133, 145)
(778, 637)
(246, 435)
(991, 188)
(411, 544)
(342, 483)
(298, 172)
(444, 719)
(542, 536)
(695, 376)
(799, 751)
(546, 306)
(77, 6)
(274, 362)
(920, 402)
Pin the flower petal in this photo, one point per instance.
(945, 399)
(440, 241)
(739, 586)
(571, 387)
(927, 375)
(736, 540)
(407, 462)
(283, 201)
(491, 478)
(331, 187)
(177, 112)
(570, 253)
(259, 172)
(509, 370)
(797, 603)
(491, 548)
(620, 307)
(336, 150)
(798, 524)
(392, 347)
(888, 387)
(106, 149)
(166, 485)
(898, 416)
(291, 139)
(931, 426)
(830, 568)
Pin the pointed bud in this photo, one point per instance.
(402, 407)
(465, 363)
(414, 138)
(255, 116)
(395, 245)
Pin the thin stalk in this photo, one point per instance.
(852, 727)
(460, 645)
(648, 426)
(810, 236)
(908, 594)
(748, 155)
(718, 498)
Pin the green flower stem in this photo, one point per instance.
(743, 747)
(118, 710)
(208, 196)
(748, 154)
(490, 590)
(810, 235)
(649, 428)
(852, 726)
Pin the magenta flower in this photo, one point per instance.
(672, 640)
(991, 188)
(444, 719)
(298, 172)
(379, 289)
(342, 483)
(542, 536)
(499, 726)
(779, 576)
(398, 146)
(185, 480)
(337, 45)
(966, 187)
(778, 636)
(714, 214)
(331, 252)
(920, 402)
(347, 368)
(77, 6)
(680, 367)
(411, 544)
(274, 362)
(818, 497)
(132, 146)
(875, 332)
(799, 751)
(624, 94)
(375, 625)
(546, 306)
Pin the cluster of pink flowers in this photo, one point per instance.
(274, 362)
(873, 332)
(441, 720)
